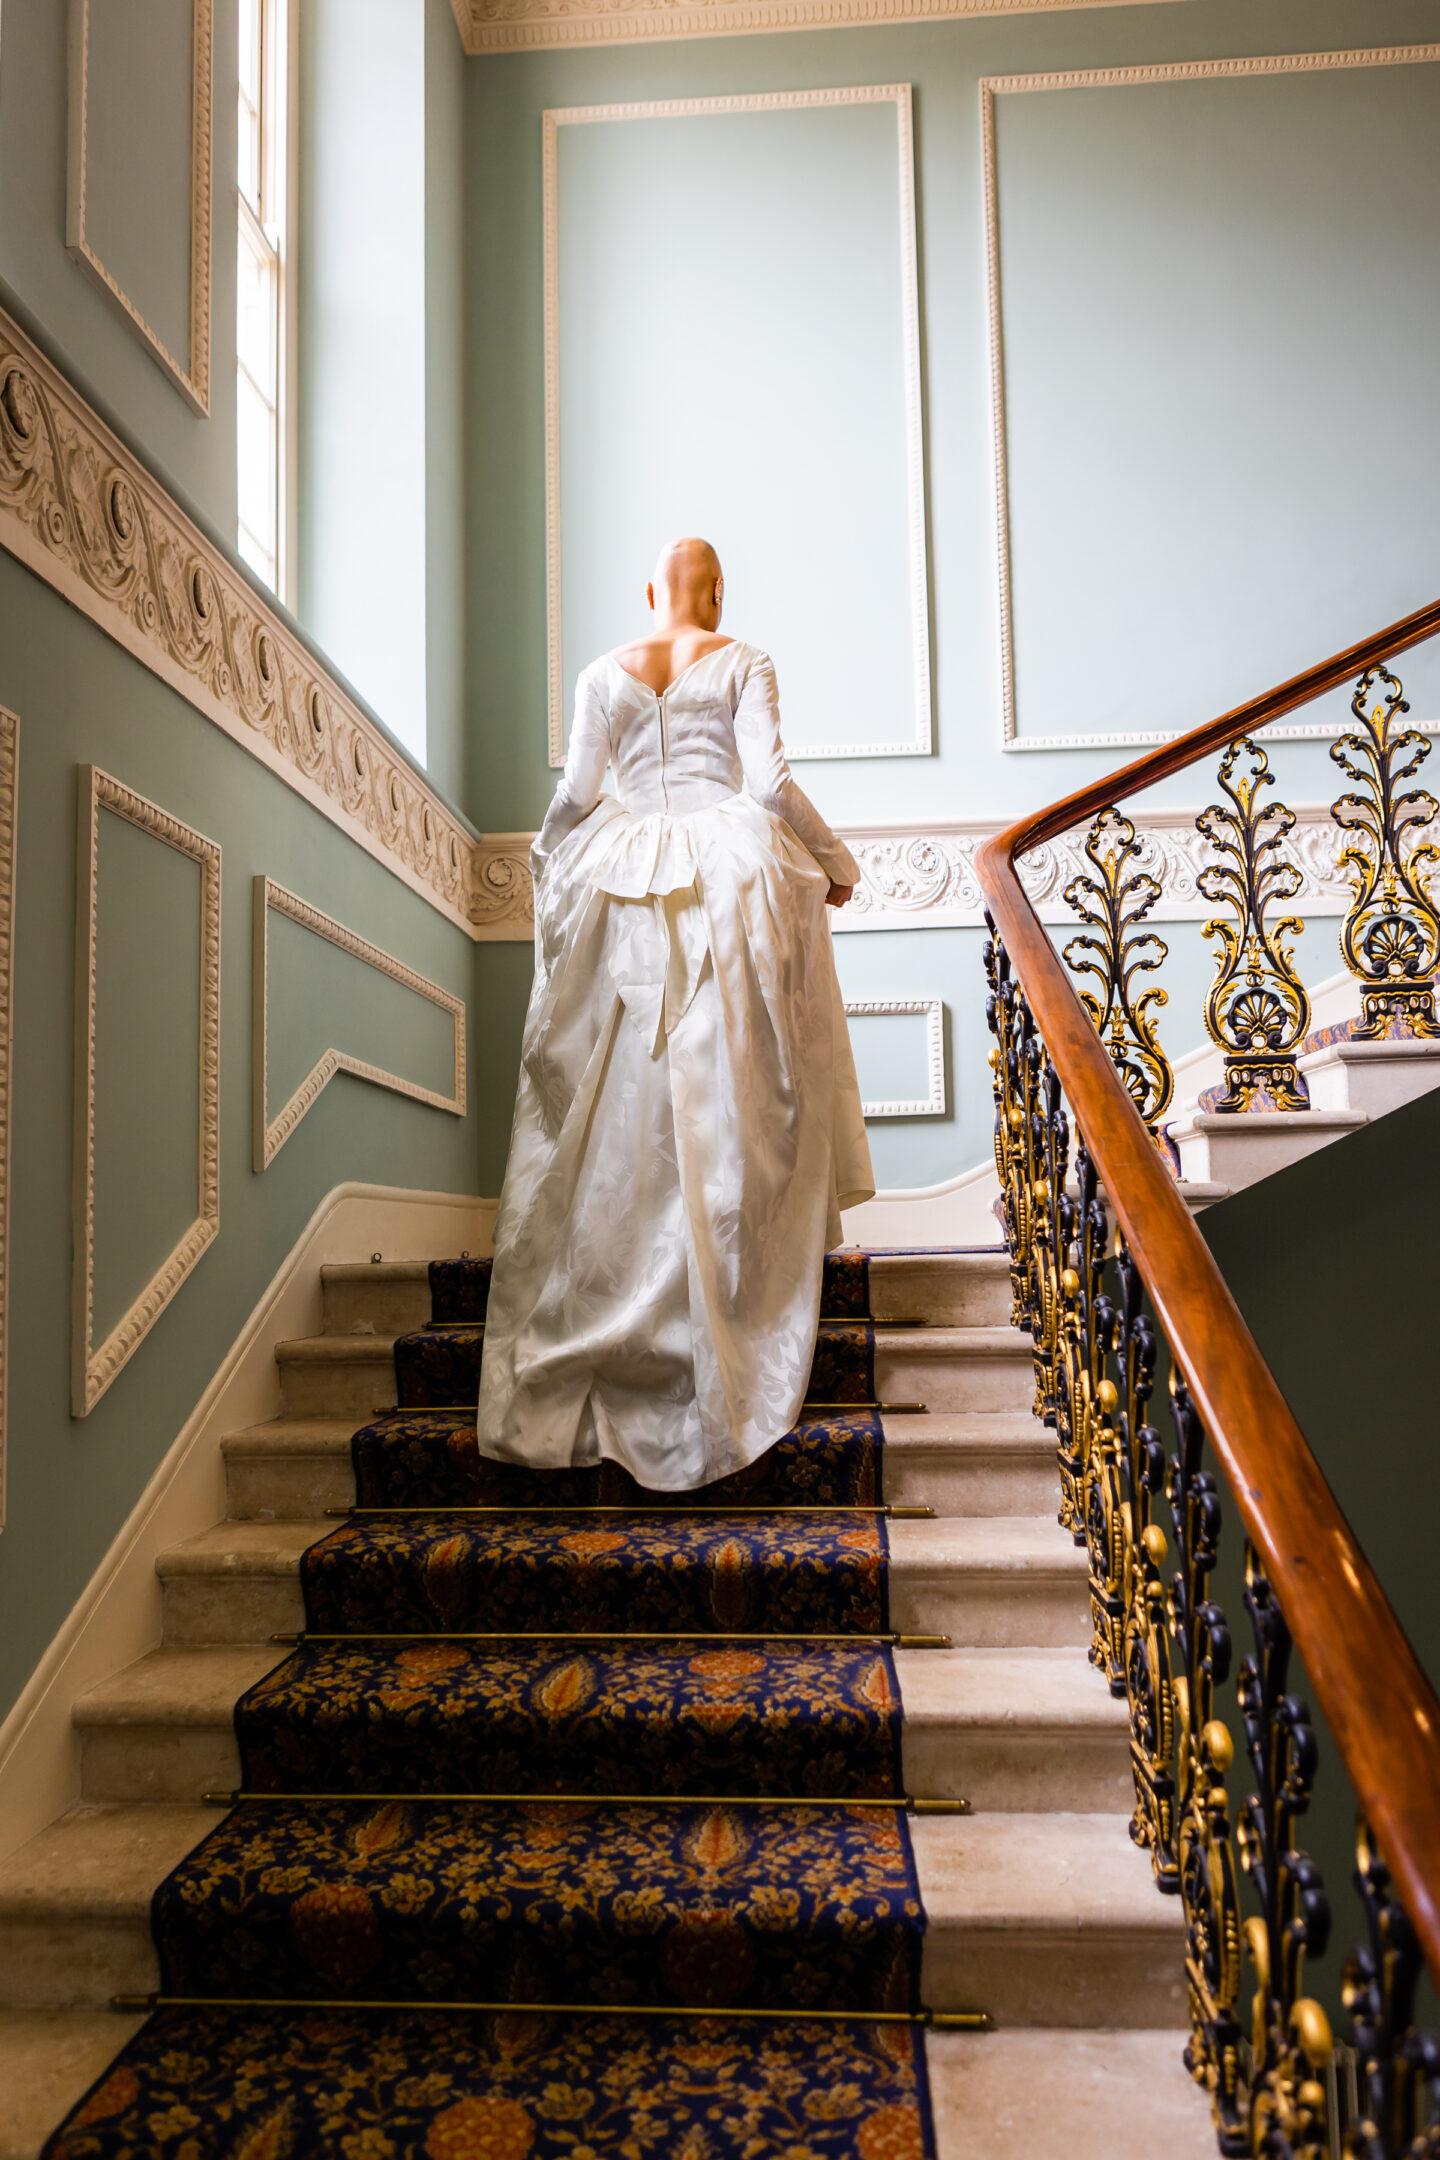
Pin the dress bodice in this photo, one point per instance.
(713, 732)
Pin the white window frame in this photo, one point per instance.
(275, 230)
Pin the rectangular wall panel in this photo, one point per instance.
(733, 350)
(1213, 287)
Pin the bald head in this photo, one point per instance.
(688, 585)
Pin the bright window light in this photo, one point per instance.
(260, 291)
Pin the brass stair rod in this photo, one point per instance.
(892, 1512)
(936, 2020)
(468, 1409)
(907, 1804)
(605, 1635)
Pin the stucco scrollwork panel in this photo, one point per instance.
(78, 509)
(95, 1366)
(271, 1133)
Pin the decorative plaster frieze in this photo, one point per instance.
(496, 26)
(92, 1368)
(9, 803)
(1117, 78)
(932, 1011)
(922, 877)
(918, 740)
(81, 512)
(192, 374)
(272, 1133)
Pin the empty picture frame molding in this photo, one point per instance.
(1115, 78)
(271, 1134)
(9, 805)
(919, 742)
(932, 1011)
(191, 375)
(93, 1368)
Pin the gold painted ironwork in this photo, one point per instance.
(1257, 1010)
(604, 1635)
(932, 2020)
(1391, 937)
(1259, 2045)
(1115, 950)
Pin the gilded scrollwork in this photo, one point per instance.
(1391, 936)
(1257, 1010)
(1113, 900)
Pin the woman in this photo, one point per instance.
(688, 1125)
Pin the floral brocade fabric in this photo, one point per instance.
(417, 2085)
(659, 1782)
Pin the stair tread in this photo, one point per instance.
(1091, 2095)
(1041, 1873)
(377, 1271)
(47, 2059)
(1006, 1688)
(949, 1341)
(1030, 1544)
(178, 1686)
(336, 1350)
(102, 1859)
(292, 1436)
(242, 1548)
(1000, 1432)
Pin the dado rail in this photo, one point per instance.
(1107, 1261)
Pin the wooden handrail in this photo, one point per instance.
(1381, 1708)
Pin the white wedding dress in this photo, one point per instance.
(688, 1123)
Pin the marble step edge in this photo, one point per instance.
(1098, 2095)
(1018, 1907)
(1002, 1432)
(1027, 1730)
(993, 1339)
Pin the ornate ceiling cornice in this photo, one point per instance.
(499, 26)
(84, 514)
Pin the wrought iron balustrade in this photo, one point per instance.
(1123, 1302)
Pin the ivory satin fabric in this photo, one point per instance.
(688, 1123)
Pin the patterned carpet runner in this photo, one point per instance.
(404, 1852)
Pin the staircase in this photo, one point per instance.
(1039, 1909)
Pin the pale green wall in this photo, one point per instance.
(97, 347)
(81, 698)
(509, 782)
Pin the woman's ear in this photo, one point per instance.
(650, 597)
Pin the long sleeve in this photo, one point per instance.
(768, 778)
(583, 779)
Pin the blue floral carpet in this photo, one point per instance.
(519, 1759)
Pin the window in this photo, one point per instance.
(261, 260)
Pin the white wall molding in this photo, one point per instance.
(918, 742)
(191, 375)
(1117, 78)
(921, 876)
(116, 1619)
(272, 1133)
(932, 1011)
(84, 514)
(94, 1367)
(497, 26)
(9, 808)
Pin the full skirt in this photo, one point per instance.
(687, 1129)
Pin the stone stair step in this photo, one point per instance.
(75, 1904)
(955, 1368)
(989, 1582)
(336, 1376)
(1031, 1731)
(941, 1289)
(288, 1470)
(164, 1729)
(237, 1583)
(1049, 1920)
(48, 2058)
(389, 1296)
(998, 1462)
(1009, 2095)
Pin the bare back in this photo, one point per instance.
(657, 661)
